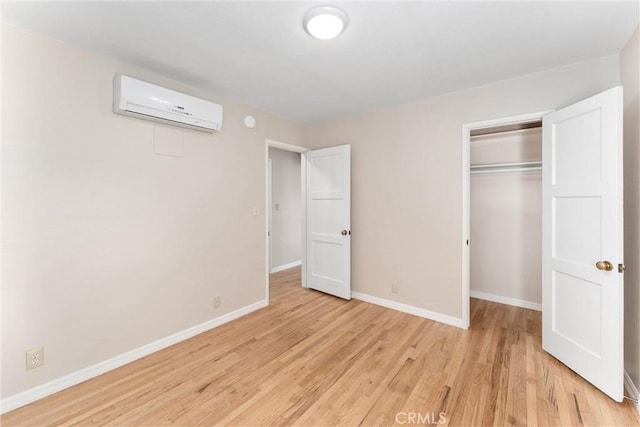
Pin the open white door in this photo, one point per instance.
(582, 316)
(328, 220)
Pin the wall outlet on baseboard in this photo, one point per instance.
(35, 358)
(394, 287)
(216, 302)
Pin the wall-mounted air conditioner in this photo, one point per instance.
(144, 100)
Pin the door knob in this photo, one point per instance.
(344, 232)
(604, 265)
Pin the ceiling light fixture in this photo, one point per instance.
(325, 22)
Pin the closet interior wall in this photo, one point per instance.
(506, 217)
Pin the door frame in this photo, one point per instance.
(267, 205)
(268, 213)
(466, 194)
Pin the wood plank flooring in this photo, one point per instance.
(315, 360)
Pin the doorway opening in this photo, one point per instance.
(284, 209)
(502, 220)
(582, 236)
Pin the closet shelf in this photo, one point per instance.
(506, 167)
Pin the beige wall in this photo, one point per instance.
(630, 78)
(107, 246)
(407, 178)
(506, 218)
(286, 207)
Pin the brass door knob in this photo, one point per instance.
(344, 232)
(604, 265)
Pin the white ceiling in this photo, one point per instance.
(390, 53)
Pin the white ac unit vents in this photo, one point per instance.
(147, 101)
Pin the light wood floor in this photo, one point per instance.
(312, 359)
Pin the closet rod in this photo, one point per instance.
(506, 170)
(506, 167)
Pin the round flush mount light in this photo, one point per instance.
(325, 22)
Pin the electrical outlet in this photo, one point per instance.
(394, 287)
(35, 358)
(216, 302)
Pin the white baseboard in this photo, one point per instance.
(506, 300)
(410, 309)
(632, 389)
(286, 266)
(12, 402)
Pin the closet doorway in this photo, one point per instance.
(582, 231)
(506, 214)
(502, 204)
